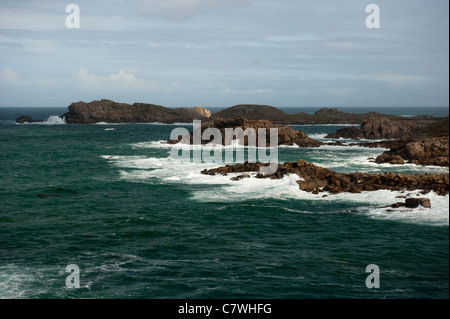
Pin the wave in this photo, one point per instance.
(318, 125)
(351, 147)
(153, 170)
(318, 136)
(164, 145)
(150, 123)
(52, 120)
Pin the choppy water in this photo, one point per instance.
(141, 226)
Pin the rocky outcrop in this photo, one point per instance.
(112, 112)
(316, 179)
(197, 111)
(411, 203)
(416, 202)
(26, 119)
(286, 134)
(426, 146)
(322, 116)
(376, 128)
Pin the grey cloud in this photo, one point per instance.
(177, 10)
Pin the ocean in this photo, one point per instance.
(109, 199)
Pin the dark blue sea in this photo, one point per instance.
(109, 199)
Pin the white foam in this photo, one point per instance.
(234, 145)
(437, 215)
(318, 136)
(318, 125)
(18, 282)
(410, 167)
(150, 123)
(363, 163)
(289, 146)
(164, 171)
(55, 120)
(379, 150)
(110, 129)
(52, 120)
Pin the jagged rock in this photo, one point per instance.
(396, 205)
(316, 179)
(197, 111)
(112, 112)
(286, 134)
(26, 119)
(426, 146)
(376, 128)
(416, 202)
(238, 178)
(389, 158)
(323, 116)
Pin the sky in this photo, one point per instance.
(219, 53)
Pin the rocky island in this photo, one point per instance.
(428, 145)
(375, 128)
(112, 112)
(322, 116)
(286, 134)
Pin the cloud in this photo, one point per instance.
(14, 19)
(115, 81)
(246, 92)
(9, 77)
(339, 91)
(400, 79)
(123, 81)
(178, 10)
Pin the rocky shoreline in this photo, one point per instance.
(316, 179)
(426, 146)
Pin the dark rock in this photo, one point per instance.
(316, 179)
(426, 146)
(112, 112)
(416, 202)
(396, 205)
(286, 134)
(376, 128)
(26, 119)
(238, 178)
